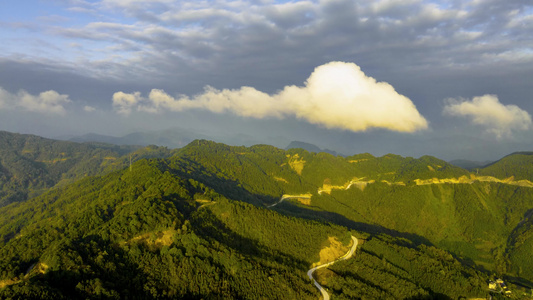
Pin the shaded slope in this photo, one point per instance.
(520, 247)
(29, 165)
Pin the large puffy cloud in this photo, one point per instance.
(487, 111)
(46, 102)
(336, 95)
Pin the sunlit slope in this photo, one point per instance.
(396, 168)
(269, 171)
(466, 213)
(29, 165)
(240, 171)
(518, 165)
(471, 220)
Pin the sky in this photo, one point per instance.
(450, 78)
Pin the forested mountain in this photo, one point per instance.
(144, 233)
(173, 138)
(207, 221)
(309, 147)
(519, 165)
(29, 165)
(151, 233)
(469, 164)
(475, 217)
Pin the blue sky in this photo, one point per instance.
(459, 70)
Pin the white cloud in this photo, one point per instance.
(487, 111)
(336, 95)
(46, 102)
(89, 108)
(124, 103)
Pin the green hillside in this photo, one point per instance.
(473, 221)
(519, 165)
(392, 268)
(426, 198)
(124, 233)
(206, 221)
(269, 171)
(29, 165)
(156, 232)
(520, 247)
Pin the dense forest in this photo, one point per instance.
(30, 165)
(476, 217)
(396, 268)
(124, 233)
(517, 165)
(199, 222)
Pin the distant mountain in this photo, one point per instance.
(177, 138)
(469, 164)
(309, 147)
(431, 200)
(172, 138)
(303, 145)
(98, 138)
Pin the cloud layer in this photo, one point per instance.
(130, 38)
(487, 111)
(336, 95)
(50, 102)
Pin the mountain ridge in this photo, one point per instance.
(485, 223)
(310, 147)
(151, 231)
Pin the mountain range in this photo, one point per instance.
(208, 220)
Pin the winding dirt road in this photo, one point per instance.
(348, 254)
(284, 197)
